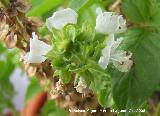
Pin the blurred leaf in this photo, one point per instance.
(7, 66)
(70, 32)
(137, 11)
(58, 62)
(41, 7)
(107, 3)
(76, 4)
(87, 31)
(131, 89)
(33, 88)
(100, 84)
(65, 76)
(105, 98)
(157, 112)
(51, 109)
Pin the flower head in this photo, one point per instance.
(109, 22)
(37, 50)
(120, 58)
(61, 18)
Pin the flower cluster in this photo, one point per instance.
(110, 23)
(106, 23)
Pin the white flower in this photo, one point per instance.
(61, 18)
(124, 66)
(81, 87)
(109, 22)
(120, 59)
(37, 50)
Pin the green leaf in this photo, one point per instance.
(76, 4)
(58, 62)
(84, 10)
(7, 67)
(51, 109)
(65, 76)
(100, 84)
(33, 89)
(107, 3)
(131, 89)
(87, 32)
(146, 13)
(88, 14)
(81, 69)
(70, 32)
(105, 98)
(157, 113)
(137, 11)
(43, 6)
(155, 13)
(62, 38)
(95, 67)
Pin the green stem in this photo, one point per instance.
(93, 66)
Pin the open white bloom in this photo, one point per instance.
(81, 87)
(123, 66)
(109, 22)
(37, 50)
(61, 18)
(119, 58)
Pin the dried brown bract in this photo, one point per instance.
(4, 28)
(11, 39)
(17, 6)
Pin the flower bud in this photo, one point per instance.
(81, 87)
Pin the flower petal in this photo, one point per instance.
(120, 58)
(37, 50)
(116, 44)
(81, 87)
(61, 18)
(32, 58)
(49, 23)
(109, 23)
(123, 67)
(103, 62)
(106, 52)
(122, 25)
(38, 46)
